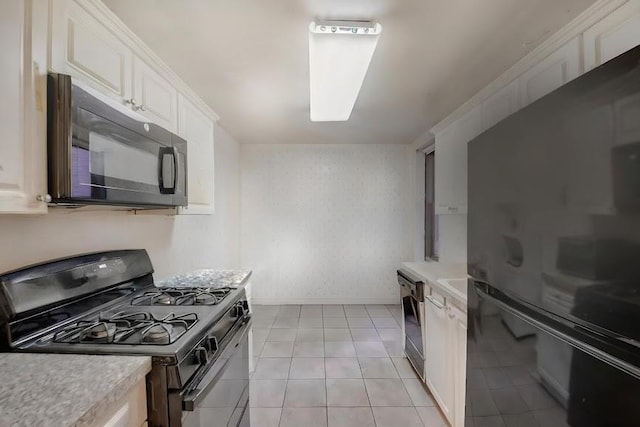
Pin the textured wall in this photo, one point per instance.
(175, 244)
(325, 223)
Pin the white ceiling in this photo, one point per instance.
(248, 59)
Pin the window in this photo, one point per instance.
(430, 219)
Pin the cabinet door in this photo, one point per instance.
(458, 324)
(129, 411)
(555, 70)
(197, 128)
(82, 47)
(500, 105)
(451, 162)
(615, 34)
(154, 96)
(438, 364)
(120, 418)
(22, 111)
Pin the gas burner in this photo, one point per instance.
(87, 331)
(165, 299)
(182, 296)
(206, 298)
(127, 328)
(101, 331)
(157, 334)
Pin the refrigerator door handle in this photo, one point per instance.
(482, 292)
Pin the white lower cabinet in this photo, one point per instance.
(130, 411)
(22, 111)
(197, 128)
(438, 362)
(446, 355)
(459, 335)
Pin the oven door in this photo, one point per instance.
(221, 397)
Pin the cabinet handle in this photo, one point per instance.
(134, 104)
(435, 302)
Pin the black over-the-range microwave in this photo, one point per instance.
(102, 153)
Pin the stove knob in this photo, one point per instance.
(213, 343)
(202, 355)
(237, 310)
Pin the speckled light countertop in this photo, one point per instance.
(64, 389)
(450, 278)
(207, 279)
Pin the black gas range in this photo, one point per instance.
(107, 303)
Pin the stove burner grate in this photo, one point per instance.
(182, 296)
(128, 328)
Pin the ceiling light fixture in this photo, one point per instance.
(339, 56)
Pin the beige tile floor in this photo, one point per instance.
(335, 366)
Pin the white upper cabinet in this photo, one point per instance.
(87, 47)
(82, 47)
(197, 128)
(615, 34)
(555, 70)
(451, 162)
(500, 105)
(91, 44)
(22, 111)
(153, 96)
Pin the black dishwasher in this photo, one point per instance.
(412, 294)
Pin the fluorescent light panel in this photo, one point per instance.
(339, 56)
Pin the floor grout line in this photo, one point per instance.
(324, 358)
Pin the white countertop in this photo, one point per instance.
(207, 279)
(449, 278)
(64, 389)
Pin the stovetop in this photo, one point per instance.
(107, 303)
(125, 327)
(129, 327)
(181, 296)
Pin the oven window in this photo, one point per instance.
(430, 231)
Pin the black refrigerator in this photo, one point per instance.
(554, 258)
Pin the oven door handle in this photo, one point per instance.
(194, 395)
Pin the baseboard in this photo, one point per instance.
(285, 301)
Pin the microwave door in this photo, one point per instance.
(100, 152)
(113, 164)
